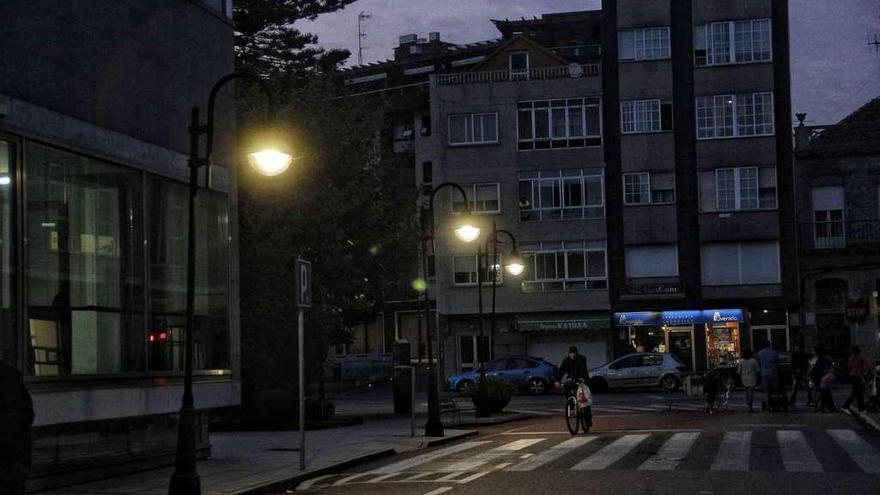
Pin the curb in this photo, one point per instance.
(435, 441)
(869, 422)
(282, 485)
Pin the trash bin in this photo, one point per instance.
(403, 389)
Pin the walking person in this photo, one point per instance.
(818, 367)
(825, 402)
(16, 417)
(768, 358)
(858, 367)
(799, 366)
(748, 369)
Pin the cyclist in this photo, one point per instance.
(575, 367)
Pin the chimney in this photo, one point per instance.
(434, 36)
(801, 133)
(407, 39)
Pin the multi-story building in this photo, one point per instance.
(837, 174)
(95, 102)
(641, 155)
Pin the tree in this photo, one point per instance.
(267, 42)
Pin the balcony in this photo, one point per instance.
(844, 234)
(506, 75)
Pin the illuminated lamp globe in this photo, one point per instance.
(270, 161)
(515, 264)
(467, 229)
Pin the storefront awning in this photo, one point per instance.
(597, 323)
(681, 317)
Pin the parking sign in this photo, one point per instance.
(303, 283)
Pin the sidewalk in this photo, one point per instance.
(252, 462)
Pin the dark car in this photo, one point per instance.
(530, 374)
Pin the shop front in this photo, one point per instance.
(550, 336)
(701, 339)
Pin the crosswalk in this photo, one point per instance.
(792, 450)
(690, 406)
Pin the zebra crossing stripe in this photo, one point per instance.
(345, 480)
(305, 485)
(797, 456)
(733, 454)
(481, 459)
(426, 458)
(672, 453)
(551, 454)
(858, 449)
(611, 453)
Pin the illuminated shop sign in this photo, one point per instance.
(683, 317)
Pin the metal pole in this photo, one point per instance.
(433, 426)
(185, 480)
(481, 388)
(412, 409)
(302, 394)
(497, 267)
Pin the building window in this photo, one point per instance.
(464, 270)
(644, 44)
(639, 116)
(643, 188)
(519, 66)
(743, 115)
(735, 189)
(427, 172)
(474, 128)
(561, 194)
(9, 347)
(574, 122)
(483, 198)
(747, 263)
(828, 217)
(564, 266)
(721, 43)
(652, 261)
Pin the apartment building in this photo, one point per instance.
(95, 102)
(641, 156)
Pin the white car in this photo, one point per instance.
(644, 369)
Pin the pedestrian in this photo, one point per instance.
(826, 400)
(748, 369)
(799, 365)
(818, 367)
(768, 358)
(16, 417)
(858, 368)
(710, 390)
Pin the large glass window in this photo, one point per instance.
(561, 194)
(558, 123)
(728, 42)
(473, 128)
(639, 116)
(742, 115)
(8, 294)
(483, 198)
(740, 263)
(563, 266)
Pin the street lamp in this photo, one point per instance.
(269, 161)
(468, 231)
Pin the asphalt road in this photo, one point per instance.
(638, 452)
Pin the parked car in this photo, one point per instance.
(530, 374)
(645, 369)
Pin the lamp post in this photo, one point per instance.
(467, 231)
(269, 161)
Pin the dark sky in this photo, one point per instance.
(834, 70)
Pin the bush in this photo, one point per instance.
(492, 397)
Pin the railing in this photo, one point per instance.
(555, 72)
(847, 234)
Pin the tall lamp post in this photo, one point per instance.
(467, 231)
(268, 161)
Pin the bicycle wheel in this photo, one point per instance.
(586, 418)
(571, 415)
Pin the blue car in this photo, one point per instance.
(528, 373)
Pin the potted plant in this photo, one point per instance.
(492, 396)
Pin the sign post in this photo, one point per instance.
(303, 301)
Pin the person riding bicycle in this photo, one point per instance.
(575, 367)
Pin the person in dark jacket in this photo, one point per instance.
(575, 367)
(16, 417)
(800, 362)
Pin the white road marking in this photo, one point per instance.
(672, 453)
(473, 477)
(439, 490)
(551, 454)
(305, 485)
(503, 465)
(419, 476)
(480, 460)
(426, 458)
(345, 480)
(797, 456)
(379, 479)
(450, 476)
(518, 433)
(611, 453)
(861, 451)
(734, 452)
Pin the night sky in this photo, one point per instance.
(834, 70)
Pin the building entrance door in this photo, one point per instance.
(471, 350)
(832, 334)
(680, 342)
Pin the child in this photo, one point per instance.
(710, 390)
(826, 401)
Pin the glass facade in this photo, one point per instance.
(8, 347)
(106, 258)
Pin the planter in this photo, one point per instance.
(492, 397)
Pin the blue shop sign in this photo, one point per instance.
(682, 317)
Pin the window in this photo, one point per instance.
(570, 123)
(519, 66)
(740, 263)
(475, 128)
(9, 348)
(644, 44)
(427, 172)
(483, 198)
(639, 116)
(643, 188)
(627, 362)
(742, 115)
(652, 261)
(828, 229)
(733, 189)
(561, 194)
(464, 268)
(720, 43)
(564, 266)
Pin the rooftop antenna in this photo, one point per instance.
(875, 43)
(361, 35)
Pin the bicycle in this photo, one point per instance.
(576, 414)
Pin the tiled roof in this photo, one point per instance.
(861, 127)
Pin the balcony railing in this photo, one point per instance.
(848, 234)
(537, 73)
